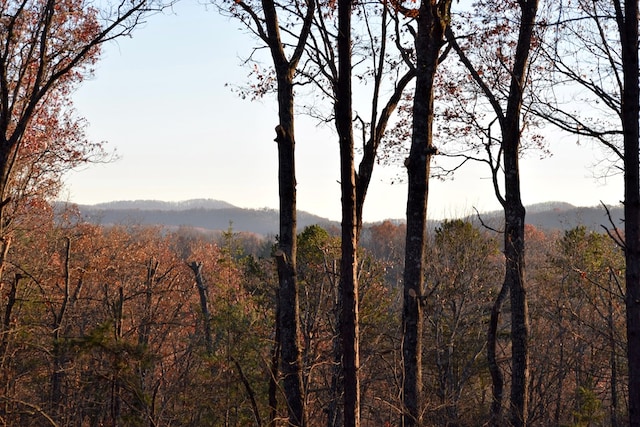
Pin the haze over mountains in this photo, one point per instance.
(211, 214)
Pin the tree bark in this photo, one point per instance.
(348, 286)
(627, 20)
(514, 216)
(433, 19)
(288, 304)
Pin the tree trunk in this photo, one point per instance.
(514, 217)
(348, 316)
(288, 305)
(288, 318)
(196, 267)
(514, 280)
(432, 21)
(628, 28)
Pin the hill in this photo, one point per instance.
(198, 213)
(157, 205)
(218, 215)
(564, 216)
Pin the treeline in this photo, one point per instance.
(132, 325)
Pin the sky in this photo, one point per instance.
(162, 100)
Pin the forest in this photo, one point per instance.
(474, 323)
(132, 325)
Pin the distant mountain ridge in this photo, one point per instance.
(218, 215)
(564, 216)
(207, 214)
(157, 205)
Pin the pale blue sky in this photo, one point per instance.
(160, 101)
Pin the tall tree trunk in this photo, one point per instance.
(288, 305)
(514, 212)
(627, 20)
(348, 293)
(514, 279)
(514, 217)
(433, 18)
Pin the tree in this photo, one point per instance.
(512, 60)
(432, 18)
(267, 27)
(46, 48)
(369, 59)
(597, 50)
(627, 22)
(348, 285)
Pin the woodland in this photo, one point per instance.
(378, 325)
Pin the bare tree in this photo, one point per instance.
(370, 58)
(263, 19)
(627, 20)
(507, 106)
(46, 48)
(432, 18)
(596, 52)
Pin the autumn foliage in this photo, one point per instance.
(105, 326)
(145, 326)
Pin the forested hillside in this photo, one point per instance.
(212, 215)
(216, 215)
(132, 325)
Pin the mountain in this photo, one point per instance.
(219, 215)
(157, 205)
(564, 216)
(198, 213)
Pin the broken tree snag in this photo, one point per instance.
(196, 267)
(280, 256)
(281, 135)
